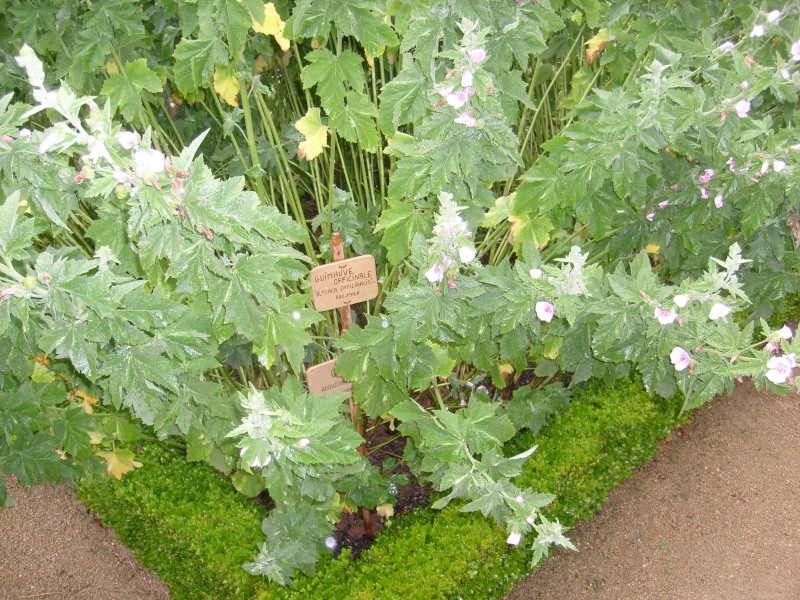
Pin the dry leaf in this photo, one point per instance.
(315, 134)
(385, 511)
(87, 400)
(272, 25)
(596, 45)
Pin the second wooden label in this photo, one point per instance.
(322, 380)
(344, 283)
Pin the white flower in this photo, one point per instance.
(718, 311)
(536, 273)
(796, 50)
(681, 300)
(303, 442)
(779, 368)
(779, 165)
(24, 133)
(665, 316)
(726, 47)
(466, 254)
(719, 201)
(786, 75)
(773, 16)
(466, 79)
(458, 99)
(127, 139)
(680, 358)
(744, 85)
(544, 310)
(764, 167)
(434, 274)
(742, 107)
(704, 193)
(663, 204)
(257, 463)
(513, 539)
(465, 119)
(330, 542)
(147, 162)
(477, 56)
(758, 31)
(444, 92)
(296, 315)
(785, 333)
(519, 499)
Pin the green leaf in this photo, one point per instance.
(235, 21)
(194, 63)
(15, 233)
(69, 340)
(124, 89)
(333, 76)
(400, 223)
(356, 121)
(71, 431)
(403, 100)
(32, 458)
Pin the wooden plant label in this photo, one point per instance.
(344, 283)
(322, 380)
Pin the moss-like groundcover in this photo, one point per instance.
(195, 531)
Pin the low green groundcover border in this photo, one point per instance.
(191, 528)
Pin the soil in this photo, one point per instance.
(714, 515)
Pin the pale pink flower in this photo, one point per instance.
(779, 165)
(773, 16)
(681, 300)
(785, 333)
(779, 368)
(477, 56)
(513, 539)
(726, 47)
(680, 358)
(127, 139)
(444, 92)
(731, 163)
(719, 201)
(707, 175)
(434, 274)
(458, 99)
(665, 316)
(544, 311)
(742, 107)
(466, 254)
(757, 31)
(650, 216)
(519, 499)
(466, 119)
(466, 79)
(718, 311)
(663, 204)
(704, 193)
(786, 75)
(771, 347)
(744, 85)
(24, 132)
(536, 273)
(796, 50)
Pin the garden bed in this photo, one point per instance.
(193, 530)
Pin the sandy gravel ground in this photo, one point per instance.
(714, 516)
(51, 548)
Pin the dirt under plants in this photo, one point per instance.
(714, 515)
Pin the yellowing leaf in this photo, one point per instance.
(499, 212)
(505, 369)
(272, 25)
(596, 45)
(315, 134)
(119, 462)
(385, 511)
(112, 68)
(652, 248)
(226, 85)
(95, 437)
(87, 400)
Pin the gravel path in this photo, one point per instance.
(51, 548)
(714, 516)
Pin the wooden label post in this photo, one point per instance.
(339, 285)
